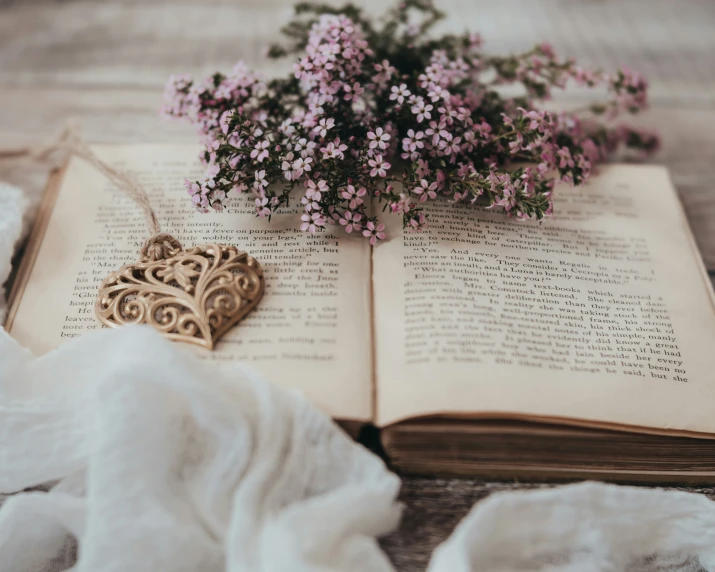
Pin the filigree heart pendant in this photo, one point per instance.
(193, 295)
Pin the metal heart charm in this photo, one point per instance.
(194, 295)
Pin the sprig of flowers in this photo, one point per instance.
(390, 113)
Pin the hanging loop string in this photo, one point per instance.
(160, 245)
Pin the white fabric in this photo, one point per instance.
(165, 464)
(582, 528)
(158, 462)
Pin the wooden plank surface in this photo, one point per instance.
(105, 63)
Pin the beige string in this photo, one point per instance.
(160, 245)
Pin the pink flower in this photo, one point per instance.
(464, 170)
(217, 195)
(469, 141)
(509, 198)
(312, 222)
(379, 166)
(422, 110)
(191, 187)
(374, 232)
(177, 103)
(565, 158)
(287, 127)
(631, 90)
(309, 205)
(399, 93)
(351, 221)
(583, 76)
(352, 93)
(212, 170)
(452, 147)
(402, 206)
(334, 150)
(384, 73)
(260, 181)
(260, 151)
(203, 204)
(306, 148)
(475, 40)
(301, 164)
(324, 125)
(224, 121)
(378, 138)
(423, 169)
(262, 209)
(315, 191)
(286, 167)
(413, 141)
(518, 143)
(437, 132)
(539, 121)
(547, 50)
(418, 221)
(302, 68)
(354, 195)
(436, 93)
(425, 190)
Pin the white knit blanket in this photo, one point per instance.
(153, 461)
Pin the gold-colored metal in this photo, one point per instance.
(194, 295)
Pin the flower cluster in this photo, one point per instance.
(390, 115)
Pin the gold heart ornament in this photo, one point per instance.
(193, 295)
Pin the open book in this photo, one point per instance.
(577, 347)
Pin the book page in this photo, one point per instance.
(310, 331)
(601, 315)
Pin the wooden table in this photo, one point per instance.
(105, 63)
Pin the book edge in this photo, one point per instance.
(37, 234)
(536, 473)
(549, 420)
